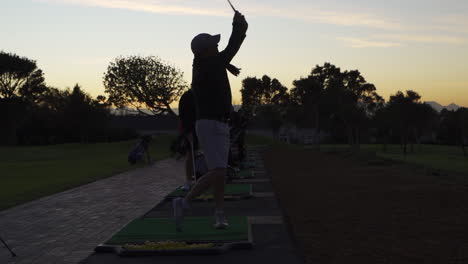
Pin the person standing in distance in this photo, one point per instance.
(212, 92)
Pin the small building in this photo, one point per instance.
(307, 136)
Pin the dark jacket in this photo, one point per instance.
(187, 115)
(210, 82)
(187, 111)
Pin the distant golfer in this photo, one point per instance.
(187, 115)
(212, 92)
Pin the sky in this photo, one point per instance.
(420, 45)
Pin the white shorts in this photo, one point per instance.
(214, 140)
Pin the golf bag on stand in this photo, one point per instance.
(140, 150)
(236, 149)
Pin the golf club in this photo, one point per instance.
(193, 161)
(232, 6)
(4, 243)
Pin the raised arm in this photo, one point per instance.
(239, 28)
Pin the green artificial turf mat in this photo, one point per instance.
(229, 190)
(195, 229)
(248, 164)
(245, 174)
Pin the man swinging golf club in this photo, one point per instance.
(212, 93)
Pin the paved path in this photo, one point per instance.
(272, 242)
(65, 227)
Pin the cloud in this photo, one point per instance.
(452, 23)
(423, 38)
(397, 40)
(447, 29)
(203, 7)
(165, 7)
(340, 18)
(347, 19)
(342, 15)
(366, 43)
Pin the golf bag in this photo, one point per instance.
(237, 149)
(140, 149)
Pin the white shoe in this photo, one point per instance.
(220, 221)
(178, 207)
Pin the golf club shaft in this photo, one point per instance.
(232, 6)
(4, 243)
(194, 172)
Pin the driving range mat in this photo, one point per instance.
(244, 174)
(231, 192)
(257, 206)
(248, 164)
(161, 238)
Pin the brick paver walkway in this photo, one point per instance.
(65, 227)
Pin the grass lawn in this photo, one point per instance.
(255, 140)
(28, 173)
(342, 209)
(446, 158)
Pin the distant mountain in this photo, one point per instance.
(438, 107)
(129, 110)
(452, 107)
(236, 108)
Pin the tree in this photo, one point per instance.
(344, 98)
(400, 108)
(251, 95)
(275, 93)
(360, 103)
(21, 84)
(454, 127)
(62, 116)
(463, 115)
(409, 118)
(305, 96)
(383, 124)
(265, 91)
(425, 123)
(46, 122)
(20, 78)
(306, 93)
(266, 99)
(363, 94)
(84, 115)
(139, 82)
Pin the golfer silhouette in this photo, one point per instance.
(212, 93)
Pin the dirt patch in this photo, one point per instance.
(343, 210)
